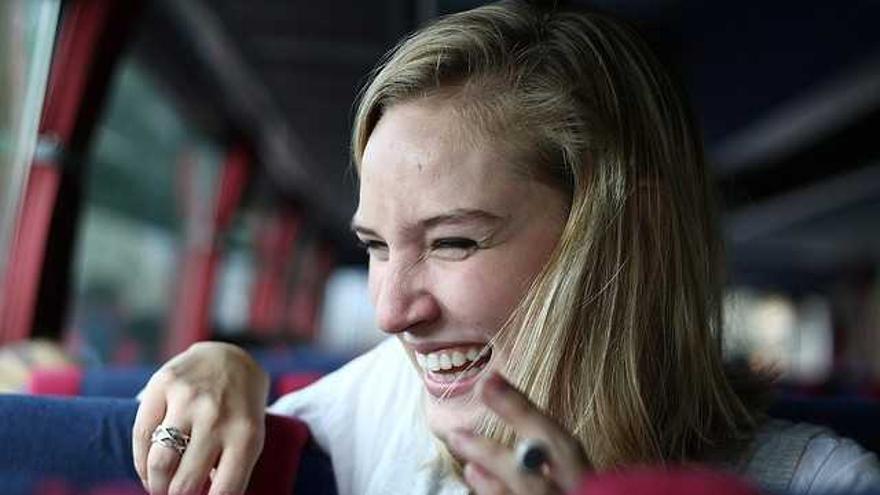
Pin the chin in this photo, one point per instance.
(444, 416)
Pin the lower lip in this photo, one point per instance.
(451, 389)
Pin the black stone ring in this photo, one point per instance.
(531, 455)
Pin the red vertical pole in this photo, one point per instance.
(308, 292)
(22, 277)
(191, 313)
(275, 252)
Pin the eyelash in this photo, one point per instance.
(454, 243)
(446, 243)
(368, 245)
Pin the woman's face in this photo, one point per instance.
(454, 237)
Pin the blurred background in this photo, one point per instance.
(172, 171)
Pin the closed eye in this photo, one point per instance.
(374, 247)
(454, 248)
(454, 243)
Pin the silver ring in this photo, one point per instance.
(170, 437)
(531, 456)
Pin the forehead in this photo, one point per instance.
(432, 132)
(422, 158)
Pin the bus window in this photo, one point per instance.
(145, 161)
(773, 331)
(278, 284)
(27, 30)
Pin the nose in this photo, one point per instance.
(403, 299)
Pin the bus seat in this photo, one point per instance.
(291, 382)
(83, 445)
(115, 381)
(55, 381)
(110, 381)
(295, 368)
(853, 417)
(299, 359)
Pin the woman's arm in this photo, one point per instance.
(832, 464)
(215, 393)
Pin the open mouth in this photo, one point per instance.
(452, 371)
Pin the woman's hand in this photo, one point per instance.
(491, 468)
(215, 393)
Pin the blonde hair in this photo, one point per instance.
(618, 338)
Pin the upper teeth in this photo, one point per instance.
(446, 359)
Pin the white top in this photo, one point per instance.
(367, 416)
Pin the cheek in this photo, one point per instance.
(484, 291)
(481, 295)
(374, 283)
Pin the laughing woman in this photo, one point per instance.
(543, 249)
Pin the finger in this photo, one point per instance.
(565, 455)
(238, 460)
(200, 457)
(161, 465)
(149, 415)
(162, 461)
(498, 461)
(516, 409)
(481, 481)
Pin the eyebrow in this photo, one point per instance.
(453, 217)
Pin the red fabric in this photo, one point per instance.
(294, 381)
(58, 381)
(275, 471)
(22, 277)
(665, 482)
